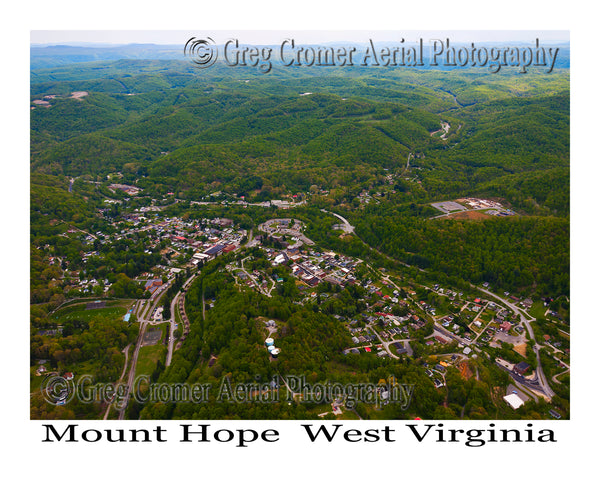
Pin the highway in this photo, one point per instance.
(172, 327)
(131, 377)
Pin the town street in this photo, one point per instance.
(143, 321)
(173, 326)
(536, 348)
(540, 372)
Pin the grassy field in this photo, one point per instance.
(114, 310)
(148, 358)
(484, 318)
(467, 215)
(178, 320)
(347, 415)
(537, 310)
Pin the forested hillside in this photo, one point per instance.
(166, 127)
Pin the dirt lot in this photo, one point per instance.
(78, 95)
(465, 371)
(521, 348)
(470, 215)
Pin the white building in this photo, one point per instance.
(513, 400)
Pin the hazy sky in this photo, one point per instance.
(177, 37)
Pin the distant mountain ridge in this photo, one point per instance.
(49, 55)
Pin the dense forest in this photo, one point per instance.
(152, 123)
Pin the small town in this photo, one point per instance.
(436, 322)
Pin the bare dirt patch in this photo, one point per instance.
(470, 215)
(78, 95)
(465, 371)
(521, 349)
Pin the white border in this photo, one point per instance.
(298, 458)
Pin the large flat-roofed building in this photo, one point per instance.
(153, 284)
(215, 250)
(513, 400)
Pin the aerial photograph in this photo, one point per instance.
(300, 225)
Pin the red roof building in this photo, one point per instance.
(505, 327)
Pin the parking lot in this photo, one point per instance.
(447, 207)
(151, 336)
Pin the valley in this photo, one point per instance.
(392, 228)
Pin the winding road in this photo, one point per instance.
(541, 378)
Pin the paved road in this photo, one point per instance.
(286, 231)
(173, 326)
(522, 315)
(545, 386)
(461, 341)
(126, 352)
(407, 163)
(131, 377)
(259, 287)
(462, 211)
(177, 299)
(531, 384)
(143, 321)
(82, 231)
(345, 223)
(555, 377)
(385, 344)
(249, 242)
(483, 329)
(267, 204)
